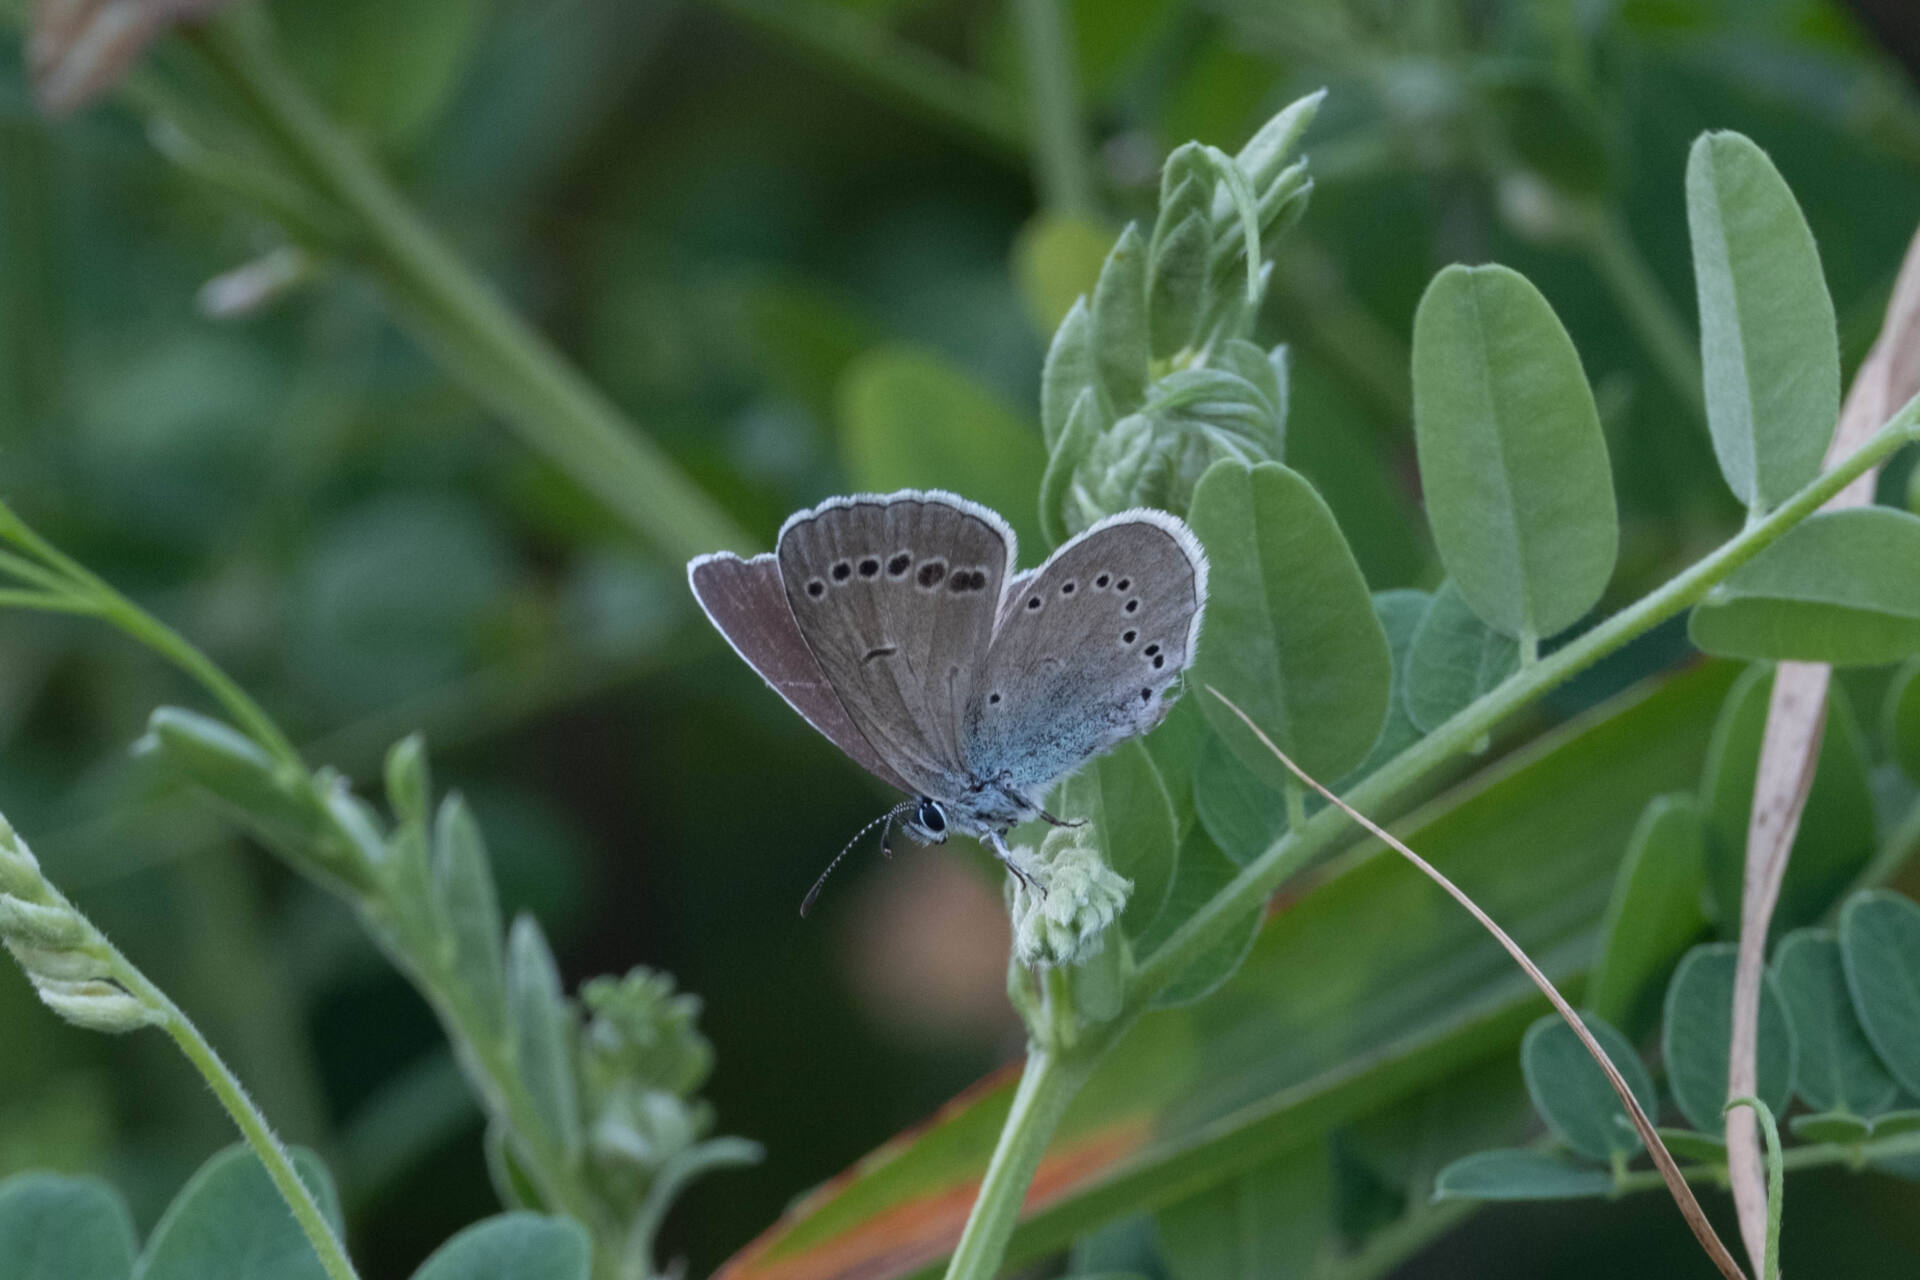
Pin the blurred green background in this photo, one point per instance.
(763, 227)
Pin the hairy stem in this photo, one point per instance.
(1047, 1085)
(253, 1126)
(500, 358)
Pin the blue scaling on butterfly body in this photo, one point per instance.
(897, 625)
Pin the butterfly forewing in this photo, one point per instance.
(895, 597)
(1086, 650)
(744, 599)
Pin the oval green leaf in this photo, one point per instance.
(1456, 657)
(1122, 796)
(1654, 913)
(1837, 834)
(229, 1223)
(1234, 805)
(1520, 1175)
(1291, 636)
(1203, 872)
(1880, 946)
(1121, 343)
(1698, 1030)
(1768, 349)
(59, 1228)
(910, 420)
(1843, 588)
(541, 1026)
(1902, 718)
(1838, 1069)
(1839, 1127)
(1512, 460)
(1571, 1092)
(512, 1246)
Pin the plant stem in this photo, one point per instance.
(1060, 157)
(1047, 1085)
(509, 366)
(968, 106)
(1617, 261)
(253, 1126)
(1257, 881)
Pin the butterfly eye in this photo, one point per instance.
(931, 818)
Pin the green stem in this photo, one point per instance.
(253, 1126)
(1617, 261)
(968, 106)
(1818, 1155)
(1060, 155)
(1047, 1085)
(509, 366)
(1776, 1185)
(1257, 881)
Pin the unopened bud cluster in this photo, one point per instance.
(1063, 915)
(69, 963)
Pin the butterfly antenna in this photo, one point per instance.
(807, 904)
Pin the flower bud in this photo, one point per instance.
(1074, 898)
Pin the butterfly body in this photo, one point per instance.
(897, 626)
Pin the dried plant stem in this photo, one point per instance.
(1789, 754)
(1662, 1158)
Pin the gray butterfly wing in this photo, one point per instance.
(746, 604)
(896, 597)
(1087, 649)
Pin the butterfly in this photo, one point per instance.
(897, 626)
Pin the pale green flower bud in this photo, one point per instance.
(94, 1003)
(1075, 898)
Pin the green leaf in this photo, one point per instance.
(1843, 587)
(1837, 1069)
(1266, 153)
(59, 1228)
(910, 420)
(1837, 833)
(1068, 373)
(1512, 459)
(1902, 717)
(1266, 1224)
(1571, 1092)
(1654, 913)
(1520, 1175)
(1895, 1123)
(1840, 1127)
(1235, 806)
(229, 1223)
(1056, 260)
(1203, 872)
(1455, 658)
(1123, 799)
(1400, 613)
(1120, 338)
(542, 1027)
(1698, 1029)
(1688, 1145)
(1768, 348)
(1182, 241)
(1291, 636)
(512, 1246)
(1880, 945)
(468, 909)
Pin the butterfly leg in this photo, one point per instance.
(1000, 851)
(1028, 806)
